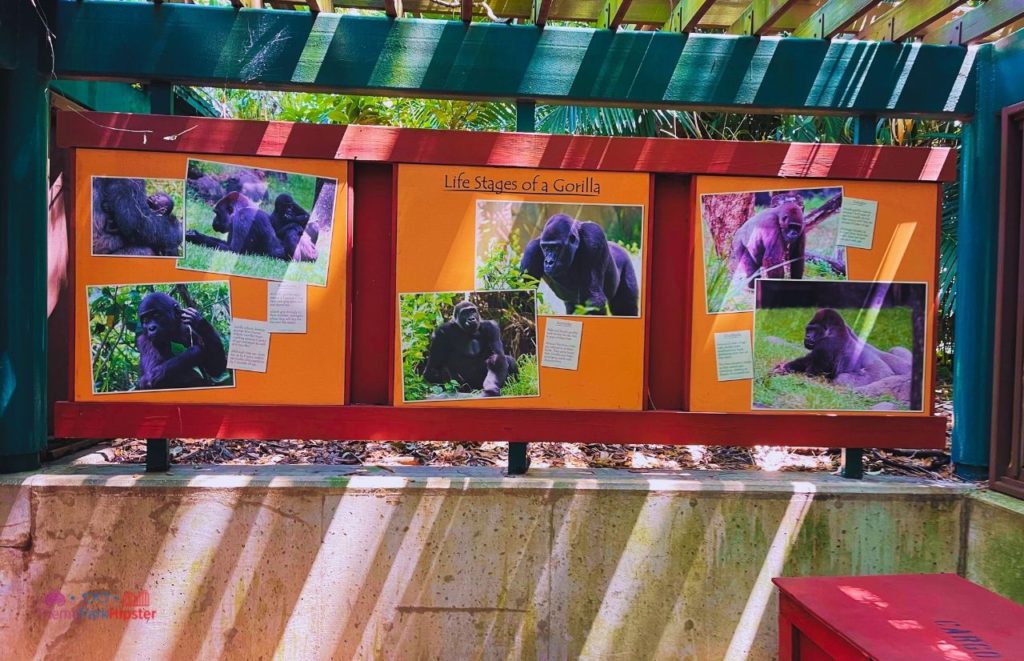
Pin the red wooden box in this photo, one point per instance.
(911, 616)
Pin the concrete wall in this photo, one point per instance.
(995, 544)
(322, 562)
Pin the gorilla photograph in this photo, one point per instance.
(469, 345)
(258, 223)
(134, 217)
(169, 336)
(583, 259)
(839, 346)
(768, 234)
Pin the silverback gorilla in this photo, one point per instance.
(583, 268)
(838, 354)
(770, 239)
(127, 222)
(468, 349)
(162, 322)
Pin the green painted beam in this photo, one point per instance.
(907, 19)
(978, 23)
(833, 17)
(687, 14)
(446, 59)
(998, 68)
(25, 118)
(760, 16)
(8, 34)
(103, 96)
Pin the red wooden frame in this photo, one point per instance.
(374, 153)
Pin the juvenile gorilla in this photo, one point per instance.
(469, 350)
(249, 229)
(297, 234)
(582, 267)
(162, 322)
(769, 240)
(838, 354)
(126, 222)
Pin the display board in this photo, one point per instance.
(838, 319)
(571, 338)
(209, 279)
(241, 279)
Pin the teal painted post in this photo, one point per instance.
(977, 237)
(518, 453)
(158, 450)
(851, 461)
(24, 123)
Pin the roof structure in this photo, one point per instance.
(948, 22)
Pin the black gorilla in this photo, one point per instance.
(162, 322)
(248, 227)
(469, 350)
(838, 354)
(582, 267)
(291, 223)
(127, 222)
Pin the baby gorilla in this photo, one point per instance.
(127, 222)
(838, 354)
(297, 234)
(468, 349)
(162, 322)
(582, 266)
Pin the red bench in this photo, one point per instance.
(910, 616)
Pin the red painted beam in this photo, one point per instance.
(531, 150)
(427, 423)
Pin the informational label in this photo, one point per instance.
(286, 307)
(857, 225)
(249, 345)
(734, 356)
(562, 344)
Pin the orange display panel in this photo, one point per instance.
(903, 250)
(446, 219)
(302, 368)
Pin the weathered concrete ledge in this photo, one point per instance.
(344, 562)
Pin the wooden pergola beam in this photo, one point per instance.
(977, 23)
(908, 19)
(612, 14)
(466, 11)
(393, 8)
(377, 56)
(760, 16)
(833, 17)
(539, 12)
(687, 14)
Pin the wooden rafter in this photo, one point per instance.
(833, 17)
(908, 19)
(760, 15)
(977, 23)
(393, 8)
(612, 14)
(540, 11)
(687, 14)
(466, 11)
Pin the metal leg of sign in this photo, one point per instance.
(851, 464)
(518, 460)
(158, 455)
